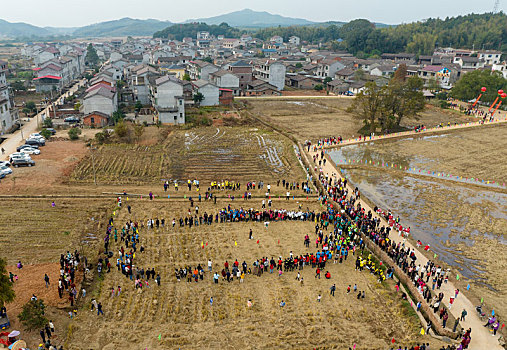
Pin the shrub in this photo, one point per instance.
(32, 316)
(319, 87)
(46, 133)
(121, 129)
(74, 133)
(48, 123)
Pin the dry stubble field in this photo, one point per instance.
(181, 313)
(213, 153)
(311, 119)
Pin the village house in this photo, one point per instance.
(166, 95)
(469, 62)
(208, 90)
(100, 99)
(261, 88)
(490, 57)
(272, 72)
(226, 97)
(300, 81)
(96, 119)
(225, 80)
(294, 41)
(8, 115)
(328, 68)
(243, 70)
(200, 69)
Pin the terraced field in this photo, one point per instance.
(207, 154)
(179, 314)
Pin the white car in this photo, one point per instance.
(30, 150)
(36, 135)
(4, 163)
(19, 155)
(5, 170)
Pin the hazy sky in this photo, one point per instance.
(72, 13)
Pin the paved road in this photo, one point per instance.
(17, 138)
(481, 336)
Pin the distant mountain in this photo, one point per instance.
(252, 19)
(13, 30)
(61, 31)
(122, 27)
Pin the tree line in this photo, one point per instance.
(363, 39)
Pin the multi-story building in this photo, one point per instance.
(243, 70)
(272, 72)
(167, 98)
(8, 116)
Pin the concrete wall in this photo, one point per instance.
(166, 93)
(99, 103)
(277, 75)
(211, 95)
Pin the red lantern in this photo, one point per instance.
(483, 89)
(504, 95)
(500, 92)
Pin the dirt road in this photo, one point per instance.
(481, 336)
(17, 138)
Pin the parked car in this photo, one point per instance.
(31, 150)
(36, 136)
(20, 155)
(17, 162)
(2, 176)
(4, 163)
(36, 142)
(20, 148)
(53, 131)
(72, 120)
(5, 170)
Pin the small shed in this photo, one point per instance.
(226, 97)
(96, 119)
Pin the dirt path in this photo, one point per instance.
(498, 120)
(18, 137)
(481, 337)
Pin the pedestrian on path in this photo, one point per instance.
(46, 279)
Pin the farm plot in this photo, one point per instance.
(316, 118)
(180, 315)
(39, 233)
(214, 153)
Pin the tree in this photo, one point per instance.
(299, 65)
(469, 85)
(367, 105)
(198, 98)
(74, 133)
(138, 131)
(91, 55)
(327, 80)
(433, 84)
(32, 316)
(118, 116)
(359, 74)
(31, 106)
(401, 73)
(318, 87)
(48, 122)
(121, 129)
(46, 133)
(6, 291)
(208, 59)
(138, 106)
(186, 77)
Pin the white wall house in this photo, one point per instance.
(100, 99)
(272, 72)
(225, 80)
(167, 98)
(8, 117)
(209, 91)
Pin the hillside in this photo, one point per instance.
(180, 31)
(122, 27)
(252, 19)
(12, 30)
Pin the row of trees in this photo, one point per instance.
(362, 38)
(385, 107)
(180, 31)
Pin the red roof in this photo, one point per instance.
(225, 90)
(36, 69)
(48, 77)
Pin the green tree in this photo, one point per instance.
(74, 133)
(401, 73)
(186, 77)
(208, 59)
(30, 105)
(327, 80)
(359, 74)
(46, 133)
(198, 98)
(48, 122)
(118, 116)
(32, 316)
(138, 131)
(6, 291)
(138, 106)
(318, 87)
(469, 85)
(121, 129)
(367, 105)
(433, 84)
(91, 55)
(299, 65)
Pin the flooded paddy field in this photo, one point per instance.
(465, 225)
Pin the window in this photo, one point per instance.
(181, 115)
(181, 102)
(92, 120)
(175, 117)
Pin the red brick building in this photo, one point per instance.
(96, 119)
